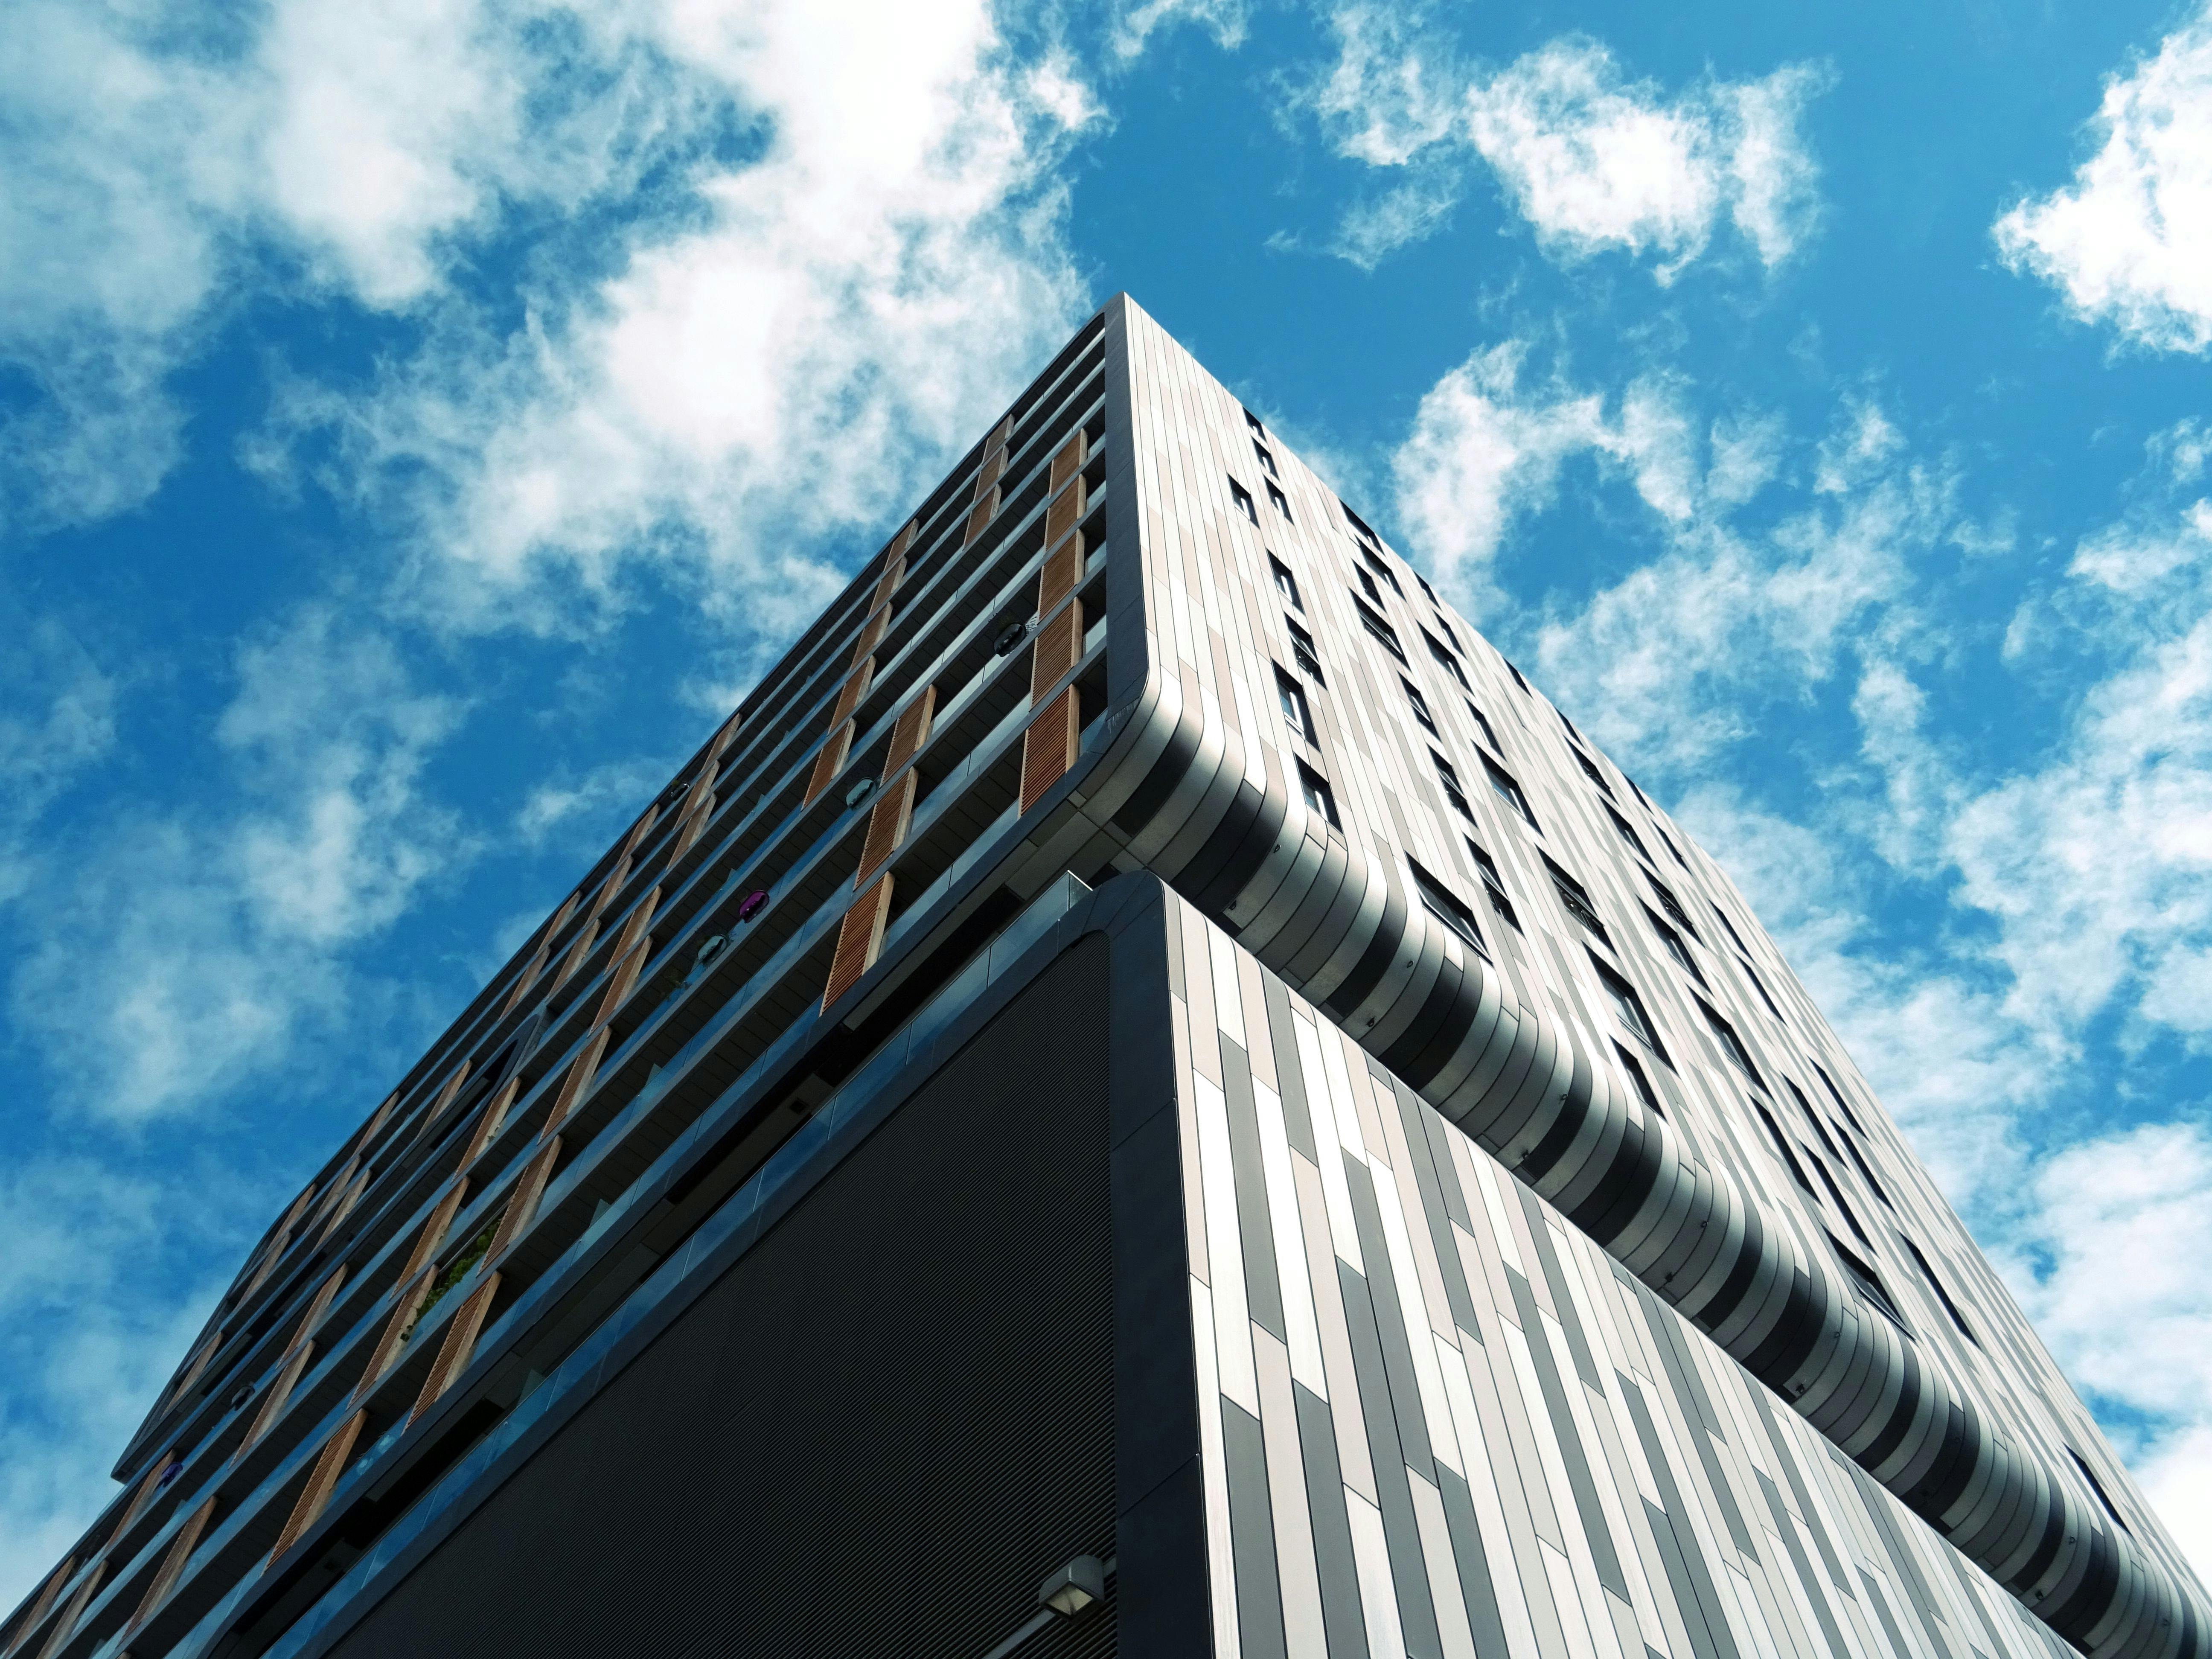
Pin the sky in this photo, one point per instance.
(420, 422)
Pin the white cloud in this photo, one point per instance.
(2128, 242)
(1593, 162)
(1135, 21)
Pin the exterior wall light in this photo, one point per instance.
(1074, 1587)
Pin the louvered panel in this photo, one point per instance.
(330, 1463)
(622, 981)
(639, 918)
(173, 1563)
(1000, 434)
(488, 1125)
(403, 1303)
(1066, 511)
(728, 735)
(887, 823)
(272, 1403)
(1049, 748)
(1070, 460)
(856, 687)
(522, 1208)
(887, 583)
(527, 978)
(572, 1086)
(65, 1626)
(145, 1494)
(383, 1112)
(872, 634)
(1061, 572)
(858, 939)
(979, 516)
(613, 885)
(345, 1207)
(829, 762)
(460, 1342)
(46, 1593)
(320, 1305)
(911, 730)
(1059, 643)
(434, 1230)
(693, 826)
(993, 470)
(642, 828)
(573, 958)
(335, 1191)
(445, 1099)
(700, 786)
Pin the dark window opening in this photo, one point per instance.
(1316, 790)
(1450, 780)
(1367, 585)
(1672, 851)
(1673, 907)
(1253, 420)
(1645, 1092)
(1482, 725)
(1292, 696)
(1445, 660)
(1266, 460)
(1836, 1094)
(1590, 771)
(1375, 563)
(1811, 1117)
(1866, 1174)
(1789, 1153)
(1359, 525)
(1516, 672)
(1626, 831)
(1427, 591)
(1573, 730)
(1451, 637)
(1630, 1008)
(1420, 707)
(1576, 900)
(1508, 790)
(1446, 906)
(1243, 497)
(1760, 988)
(1675, 948)
(1732, 933)
(1835, 1192)
(1493, 884)
(1302, 653)
(1733, 1044)
(2097, 1487)
(1959, 1319)
(1868, 1282)
(1282, 501)
(1383, 633)
(1286, 584)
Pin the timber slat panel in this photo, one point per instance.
(1049, 748)
(858, 939)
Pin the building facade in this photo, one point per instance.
(1144, 1092)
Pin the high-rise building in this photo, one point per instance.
(1146, 1092)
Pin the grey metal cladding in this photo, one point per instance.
(1326, 910)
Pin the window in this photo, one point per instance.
(1836, 1193)
(1572, 731)
(1282, 502)
(1253, 420)
(1834, 1094)
(1672, 906)
(1359, 526)
(1420, 707)
(1482, 725)
(1453, 793)
(1383, 633)
(1674, 851)
(1811, 1117)
(1868, 1282)
(1292, 696)
(2087, 1474)
(1729, 1041)
(1626, 831)
(1375, 562)
(1302, 652)
(1645, 1092)
(1443, 904)
(1266, 461)
(1315, 788)
(1590, 771)
(1445, 660)
(1576, 900)
(1756, 986)
(1732, 933)
(1675, 948)
(1629, 1007)
(1516, 672)
(1782, 1145)
(1640, 795)
(1441, 622)
(1243, 497)
(1510, 792)
(1966, 1330)
(1367, 585)
(1286, 584)
(1867, 1176)
(1493, 885)
(1428, 592)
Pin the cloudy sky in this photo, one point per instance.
(419, 421)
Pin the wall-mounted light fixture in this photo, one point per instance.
(1075, 1586)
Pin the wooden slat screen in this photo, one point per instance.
(693, 827)
(460, 1342)
(445, 1099)
(573, 958)
(979, 516)
(613, 885)
(330, 1463)
(522, 1207)
(1069, 460)
(1059, 646)
(1048, 747)
(321, 1305)
(639, 918)
(65, 1626)
(856, 687)
(887, 825)
(280, 1390)
(1061, 572)
(434, 1230)
(872, 634)
(622, 980)
(642, 828)
(887, 583)
(527, 977)
(828, 763)
(999, 433)
(345, 1207)
(488, 1124)
(858, 939)
(336, 1190)
(993, 470)
(51, 1587)
(1066, 511)
(581, 1072)
(409, 1298)
(173, 1564)
(911, 730)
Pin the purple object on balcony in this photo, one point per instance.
(753, 904)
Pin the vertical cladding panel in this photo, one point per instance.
(859, 936)
(843, 1448)
(910, 730)
(1048, 747)
(828, 763)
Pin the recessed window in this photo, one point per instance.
(1282, 502)
(1448, 662)
(1375, 562)
(1243, 497)
(1866, 1174)
(1759, 985)
(1575, 899)
(1672, 906)
(1732, 933)
(1428, 592)
(1303, 653)
(1731, 1044)
(1868, 1282)
(1253, 420)
(1571, 731)
(1782, 1145)
(1675, 948)
(2088, 1473)
(1445, 905)
(1286, 584)
(1367, 585)
(1626, 831)
(1950, 1307)
(1292, 696)
(1674, 851)
(1508, 790)
(1811, 1117)
(1645, 1092)
(1629, 1007)
(1590, 771)
(1836, 1094)
(1450, 780)
(1482, 725)
(1441, 622)
(1420, 707)
(1493, 884)
(1380, 631)
(1842, 1205)
(1359, 526)
(1266, 460)
(1516, 672)
(1315, 788)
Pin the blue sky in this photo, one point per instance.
(418, 421)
